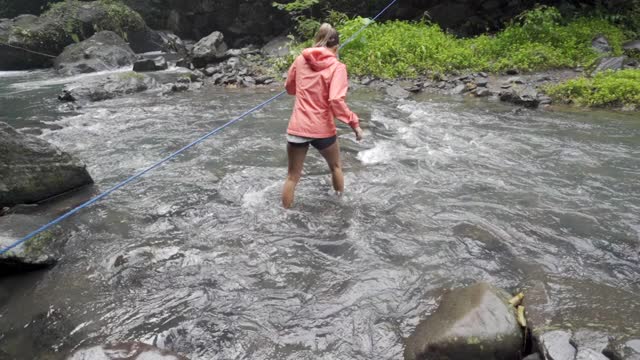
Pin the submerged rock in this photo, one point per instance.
(113, 86)
(103, 51)
(476, 322)
(210, 49)
(125, 351)
(33, 170)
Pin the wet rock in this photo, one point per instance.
(629, 350)
(601, 44)
(103, 51)
(544, 100)
(209, 71)
(483, 74)
(145, 65)
(588, 354)
(109, 87)
(586, 339)
(482, 82)
(515, 80)
(460, 89)
(278, 47)
(179, 87)
(482, 92)
(556, 345)
(125, 351)
(33, 170)
(475, 322)
(210, 49)
(266, 80)
(184, 63)
(535, 356)
(397, 92)
(611, 63)
(632, 48)
(20, 263)
(526, 96)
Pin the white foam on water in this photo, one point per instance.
(381, 153)
(32, 85)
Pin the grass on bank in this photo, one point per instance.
(537, 40)
(609, 88)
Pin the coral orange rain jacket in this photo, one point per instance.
(319, 82)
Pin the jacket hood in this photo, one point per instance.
(319, 58)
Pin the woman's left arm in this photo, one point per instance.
(290, 85)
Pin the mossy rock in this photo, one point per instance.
(62, 25)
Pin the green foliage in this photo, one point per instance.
(296, 5)
(604, 89)
(535, 40)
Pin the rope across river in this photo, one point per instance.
(172, 155)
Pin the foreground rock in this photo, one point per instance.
(103, 51)
(476, 322)
(33, 170)
(110, 87)
(125, 352)
(210, 49)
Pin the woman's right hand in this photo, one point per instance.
(359, 133)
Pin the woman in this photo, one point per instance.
(319, 82)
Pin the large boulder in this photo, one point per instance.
(209, 49)
(103, 51)
(242, 21)
(125, 351)
(33, 170)
(148, 40)
(109, 87)
(475, 322)
(35, 41)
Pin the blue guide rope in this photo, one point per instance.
(169, 157)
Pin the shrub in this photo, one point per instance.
(534, 41)
(604, 89)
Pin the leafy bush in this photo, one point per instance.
(604, 89)
(534, 41)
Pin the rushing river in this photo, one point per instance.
(200, 258)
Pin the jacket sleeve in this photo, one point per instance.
(290, 85)
(337, 94)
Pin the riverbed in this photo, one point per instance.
(199, 257)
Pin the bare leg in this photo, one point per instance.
(296, 156)
(332, 156)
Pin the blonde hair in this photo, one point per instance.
(327, 36)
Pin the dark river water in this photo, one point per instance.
(199, 257)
